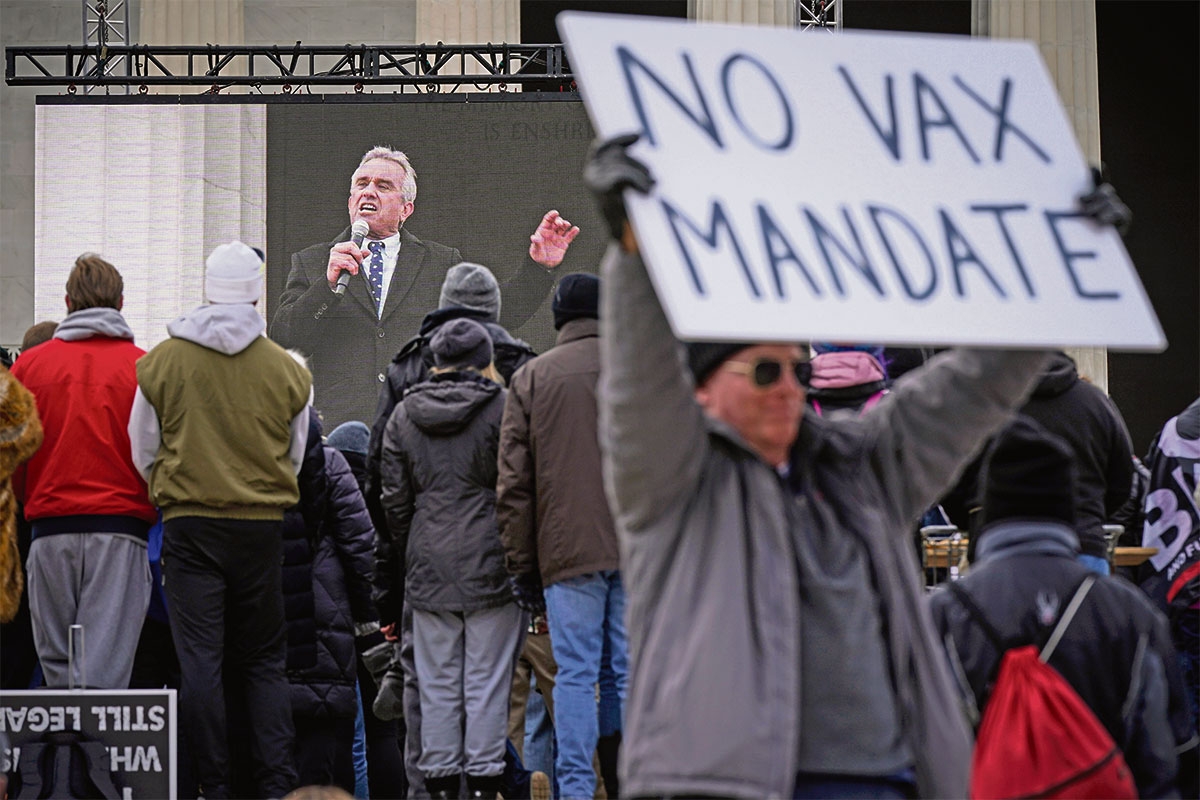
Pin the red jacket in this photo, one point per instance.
(84, 391)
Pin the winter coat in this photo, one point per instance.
(439, 496)
(1092, 427)
(716, 589)
(1090, 423)
(84, 381)
(20, 437)
(411, 366)
(326, 585)
(191, 436)
(550, 500)
(1116, 652)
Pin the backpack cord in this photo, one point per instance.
(1065, 619)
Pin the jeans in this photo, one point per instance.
(586, 613)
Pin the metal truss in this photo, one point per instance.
(425, 67)
(825, 14)
(105, 22)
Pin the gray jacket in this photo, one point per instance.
(439, 493)
(710, 537)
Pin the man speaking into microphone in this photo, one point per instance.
(390, 282)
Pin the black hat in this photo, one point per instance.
(461, 343)
(1028, 473)
(704, 357)
(577, 295)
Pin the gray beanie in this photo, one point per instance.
(471, 286)
(350, 437)
(462, 343)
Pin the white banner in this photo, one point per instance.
(860, 187)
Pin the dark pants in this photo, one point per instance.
(385, 760)
(223, 583)
(319, 741)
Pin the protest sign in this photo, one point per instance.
(862, 187)
(137, 731)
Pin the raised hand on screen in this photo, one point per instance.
(550, 241)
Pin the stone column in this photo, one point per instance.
(751, 12)
(192, 22)
(1065, 32)
(469, 22)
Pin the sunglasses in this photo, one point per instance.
(766, 372)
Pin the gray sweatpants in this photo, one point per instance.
(100, 581)
(464, 671)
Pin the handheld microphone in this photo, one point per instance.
(358, 232)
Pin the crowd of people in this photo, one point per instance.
(703, 553)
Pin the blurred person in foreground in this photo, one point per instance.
(765, 549)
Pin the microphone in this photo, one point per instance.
(358, 232)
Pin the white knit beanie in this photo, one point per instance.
(233, 274)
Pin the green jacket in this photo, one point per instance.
(225, 427)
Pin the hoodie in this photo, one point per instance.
(220, 418)
(439, 496)
(1084, 416)
(83, 479)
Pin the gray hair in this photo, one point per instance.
(408, 189)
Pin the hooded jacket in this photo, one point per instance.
(718, 597)
(411, 366)
(83, 478)
(1116, 653)
(439, 495)
(220, 418)
(1090, 423)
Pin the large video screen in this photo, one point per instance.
(153, 184)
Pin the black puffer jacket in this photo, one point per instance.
(439, 496)
(327, 588)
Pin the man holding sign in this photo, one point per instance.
(779, 640)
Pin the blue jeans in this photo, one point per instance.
(586, 616)
(539, 734)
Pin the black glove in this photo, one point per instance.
(1103, 205)
(527, 592)
(609, 170)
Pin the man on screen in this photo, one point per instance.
(395, 278)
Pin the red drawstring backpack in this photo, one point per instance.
(1038, 738)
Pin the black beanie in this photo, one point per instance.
(1028, 473)
(704, 357)
(462, 343)
(577, 295)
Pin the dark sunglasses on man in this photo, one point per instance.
(765, 372)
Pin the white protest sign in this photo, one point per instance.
(857, 187)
